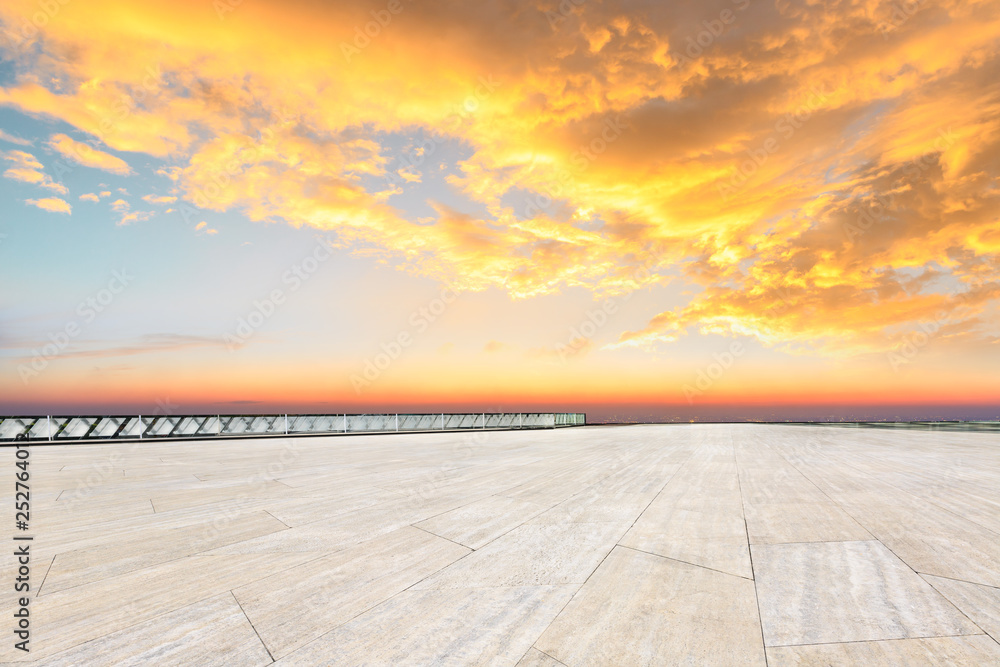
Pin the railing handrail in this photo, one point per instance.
(126, 427)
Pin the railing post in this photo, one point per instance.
(345, 422)
(286, 423)
(49, 427)
(140, 427)
(442, 421)
(397, 422)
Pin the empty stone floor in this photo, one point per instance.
(730, 544)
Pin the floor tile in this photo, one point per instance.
(822, 592)
(211, 632)
(299, 604)
(639, 609)
(472, 626)
(530, 555)
(969, 651)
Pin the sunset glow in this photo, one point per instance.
(655, 211)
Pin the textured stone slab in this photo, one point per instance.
(639, 609)
(336, 533)
(211, 632)
(980, 603)
(165, 502)
(473, 626)
(594, 507)
(479, 523)
(725, 554)
(929, 497)
(535, 658)
(533, 554)
(825, 592)
(969, 651)
(774, 523)
(83, 613)
(301, 511)
(301, 603)
(153, 546)
(680, 524)
(781, 484)
(934, 541)
(714, 538)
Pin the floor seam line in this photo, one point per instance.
(964, 581)
(940, 507)
(678, 560)
(889, 549)
(572, 597)
(132, 625)
(374, 606)
(276, 519)
(876, 641)
(546, 654)
(47, 570)
(252, 626)
(743, 505)
(441, 536)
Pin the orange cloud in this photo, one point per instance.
(824, 175)
(87, 155)
(27, 169)
(159, 199)
(134, 216)
(52, 204)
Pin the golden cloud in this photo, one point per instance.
(825, 174)
(27, 169)
(134, 216)
(52, 204)
(159, 199)
(87, 155)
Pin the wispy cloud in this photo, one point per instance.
(27, 169)
(87, 155)
(146, 344)
(128, 216)
(10, 138)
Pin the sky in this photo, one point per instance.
(647, 211)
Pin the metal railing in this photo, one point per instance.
(63, 428)
(914, 425)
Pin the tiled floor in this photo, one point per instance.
(631, 545)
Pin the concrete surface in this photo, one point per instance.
(737, 544)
